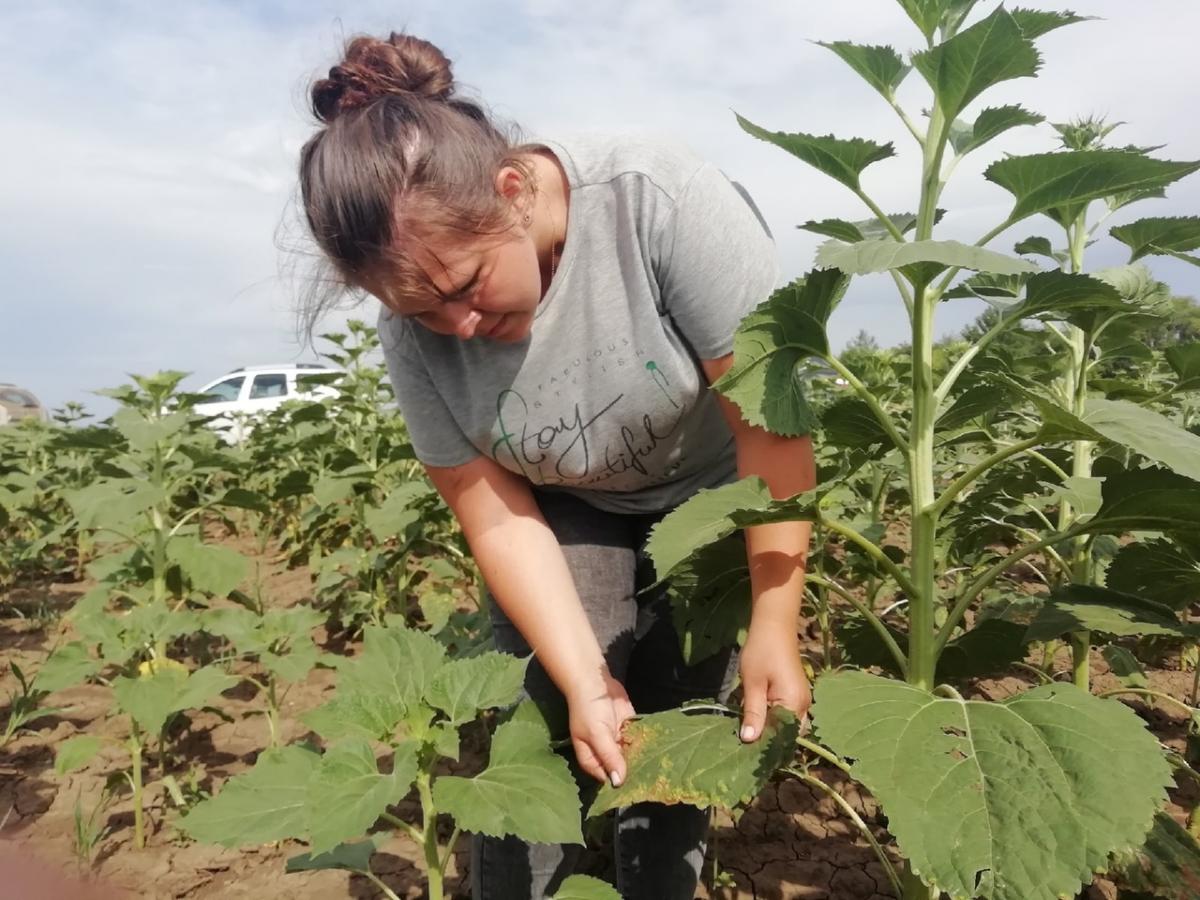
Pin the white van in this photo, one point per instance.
(238, 396)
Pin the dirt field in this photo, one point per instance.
(789, 844)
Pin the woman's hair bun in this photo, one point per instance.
(372, 68)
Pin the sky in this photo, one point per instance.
(147, 158)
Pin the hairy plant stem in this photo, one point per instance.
(1154, 695)
(433, 861)
(135, 782)
(1081, 457)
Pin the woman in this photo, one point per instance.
(553, 315)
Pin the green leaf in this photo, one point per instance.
(75, 753)
(1148, 500)
(112, 503)
(1158, 569)
(295, 664)
(1060, 295)
(991, 51)
(144, 433)
(990, 124)
(1124, 666)
(987, 649)
(1149, 433)
(240, 498)
(1185, 360)
(397, 515)
(710, 599)
(358, 715)
(69, 665)
(437, 605)
(268, 803)
(881, 256)
(210, 568)
(768, 348)
(1036, 246)
(927, 14)
(842, 160)
(710, 515)
(347, 792)
(585, 887)
(839, 229)
(1036, 22)
(1069, 180)
(353, 857)
(1080, 607)
(150, 699)
(1025, 786)
(1166, 865)
(880, 67)
(849, 423)
(698, 758)
(397, 664)
(1161, 237)
(526, 790)
(465, 687)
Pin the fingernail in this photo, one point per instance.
(614, 779)
(747, 732)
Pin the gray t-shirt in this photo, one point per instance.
(605, 398)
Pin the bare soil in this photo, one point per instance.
(792, 842)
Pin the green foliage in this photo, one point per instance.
(1081, 607)
(526, 790)
(1167, 865)
(1161, 237)
(584, 887)
(842, 160)
(948, 766)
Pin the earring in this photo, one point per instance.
(528, 219)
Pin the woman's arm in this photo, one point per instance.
(525, 569)
(771, 666)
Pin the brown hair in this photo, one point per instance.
(401, 161)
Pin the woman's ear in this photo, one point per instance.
(512, 184)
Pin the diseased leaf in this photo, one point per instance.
(347, 792)
(1025, 786)
(991, 51)
(265, 804)
(1159, 569)
(585, 887)
(75, 753)
(880, 67)
(1161, 237)
(769, 346)
(842, 160)
(1166, 865)
(881, 256)
(990, 124)
(1048, 181)
(527, 790)
(698, 758)
(1080, 607)
(710, 599)
(465, 687)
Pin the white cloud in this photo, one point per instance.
(149, 149)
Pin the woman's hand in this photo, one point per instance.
(772, 675)
(597, 711)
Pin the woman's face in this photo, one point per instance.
(493, 290)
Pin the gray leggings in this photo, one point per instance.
(659, 849)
